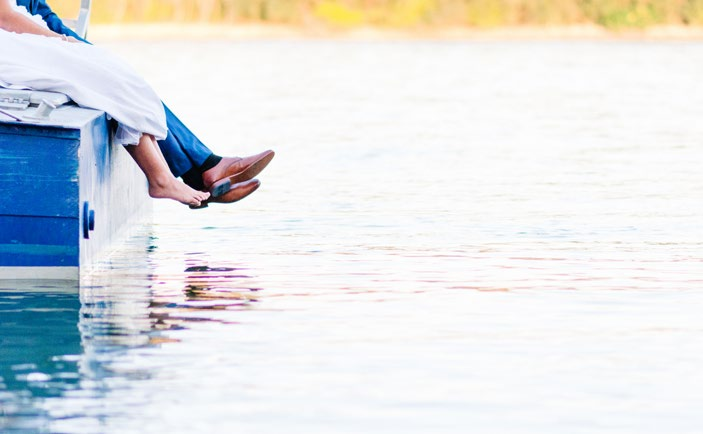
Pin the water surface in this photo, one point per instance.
(495, 237)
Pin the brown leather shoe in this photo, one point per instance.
(236, 192)
(241, 170)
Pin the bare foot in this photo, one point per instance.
(171, 188)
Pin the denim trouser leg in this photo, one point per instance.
(182, 150)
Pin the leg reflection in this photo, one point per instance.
(201, 290)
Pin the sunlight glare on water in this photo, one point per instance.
(492, 237)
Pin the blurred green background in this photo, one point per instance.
(611, 14)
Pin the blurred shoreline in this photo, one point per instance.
(191, 31)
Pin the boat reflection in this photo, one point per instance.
(40, 349)
(62, 340)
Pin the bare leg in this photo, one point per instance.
(162, 184)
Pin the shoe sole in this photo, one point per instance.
(222, 199)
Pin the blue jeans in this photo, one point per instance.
(182, 150)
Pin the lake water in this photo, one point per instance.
(489, 237)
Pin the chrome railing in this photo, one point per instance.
(80, 24)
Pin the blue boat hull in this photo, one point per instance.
(69, 196)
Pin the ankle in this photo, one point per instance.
(161, 181)
(194, 179)
(211, 164)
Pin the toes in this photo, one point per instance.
(200, 197)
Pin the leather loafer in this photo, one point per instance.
(243, 170)
(235, 193)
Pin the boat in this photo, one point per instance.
(69, 196)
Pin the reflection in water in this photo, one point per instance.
(59, 342)
(40, 348)
(206, 288)
(491, 237)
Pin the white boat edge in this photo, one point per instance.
(52, 273)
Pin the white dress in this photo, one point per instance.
(90, 76)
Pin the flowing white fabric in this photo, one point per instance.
(90, 76)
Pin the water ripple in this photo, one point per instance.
(499, 237)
